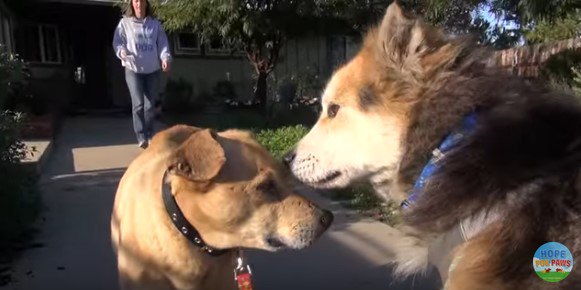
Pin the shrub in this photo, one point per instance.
(302, 88)
(576, 83)
(310, 86)
(12, 150)
(223, 90)
(296, 98)
(18, 201)
(563, 71)
(14, 82)
(179, 96)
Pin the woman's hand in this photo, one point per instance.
(165, 65)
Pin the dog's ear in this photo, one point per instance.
(200, 158)
(402, 40)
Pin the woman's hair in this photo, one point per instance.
(129, 12)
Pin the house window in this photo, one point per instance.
(217, 47)
(51, 44)
(7, 32)
(2, 38)
(39, 43)
(187, 44)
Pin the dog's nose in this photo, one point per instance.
(326, 219)
(289, 157)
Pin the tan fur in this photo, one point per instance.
(228, 187)
(472, 267)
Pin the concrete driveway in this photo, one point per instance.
(78, 188)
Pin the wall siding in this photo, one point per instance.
(296, 56)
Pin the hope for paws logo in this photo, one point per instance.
(553, 262)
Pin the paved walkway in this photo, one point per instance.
(78, 187)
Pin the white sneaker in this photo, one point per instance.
(143, 144)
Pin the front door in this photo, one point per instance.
(90, 69)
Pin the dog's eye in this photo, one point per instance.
(333, 110)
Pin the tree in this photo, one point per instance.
(258, 27)
(565, 27)
(454, 15)
(540, 20)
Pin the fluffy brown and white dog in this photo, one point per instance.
(190, 200)
(510, 185)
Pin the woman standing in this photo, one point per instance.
(141, 43)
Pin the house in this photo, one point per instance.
(67, 44)
(6, 22)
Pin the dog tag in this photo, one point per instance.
(243, 274)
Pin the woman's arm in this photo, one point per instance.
(163, 45)
(120, 41)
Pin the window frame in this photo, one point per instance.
(42, 48)
(179, 50)
(223, 50)
(204, 49)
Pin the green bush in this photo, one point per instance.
(222, 91)
(576, 83)
(13, 82)
(179, 96)
(281, 140)
(18, 201)
(12, 150)
(563, 71)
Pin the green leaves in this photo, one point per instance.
(558, 29)
(576, 83)
(563, 70)
(12, 75)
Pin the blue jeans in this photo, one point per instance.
(144, 90)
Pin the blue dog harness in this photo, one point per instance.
(451, 141)
(439, 249)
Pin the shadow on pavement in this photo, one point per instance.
(74, 231)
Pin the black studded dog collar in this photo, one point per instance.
(181, 223)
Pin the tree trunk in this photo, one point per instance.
(263, 57)
(260, 89)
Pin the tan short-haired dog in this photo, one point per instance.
(225, 190)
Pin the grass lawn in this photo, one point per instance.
(282, 138)
(362, 199)
(553, 276)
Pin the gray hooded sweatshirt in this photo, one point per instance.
(144, 42)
